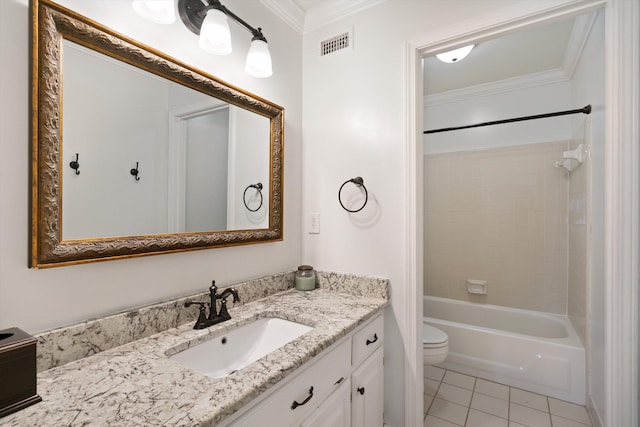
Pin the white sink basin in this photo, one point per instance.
(240, 347)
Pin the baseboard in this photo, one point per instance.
(593, 414)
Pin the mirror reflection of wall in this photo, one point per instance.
(110, 136)
(186, 145)
(206, 171)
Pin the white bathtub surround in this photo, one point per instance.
(452, 398)
(66, 344)
(579, 231)
(498, 214)
(137, 384)
(539, 352)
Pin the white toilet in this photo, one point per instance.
(435, 345)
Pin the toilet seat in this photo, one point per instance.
(433, 337)
(435, 345)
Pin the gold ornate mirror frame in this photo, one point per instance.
(51, 23)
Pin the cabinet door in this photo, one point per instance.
(367, 392)
(335, 411)
(307, 390)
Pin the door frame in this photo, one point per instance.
(622, 187)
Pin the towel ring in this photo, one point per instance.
(258, 187)
(359, 182)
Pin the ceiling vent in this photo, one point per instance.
(339, 43)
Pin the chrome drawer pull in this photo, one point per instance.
(375, 338)
(295, 404)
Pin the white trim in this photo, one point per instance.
(593, 414)
(177, 159)
(316, 17)
(413, 368)
(577, 41)
(506, 85)
(622, 44)
(232, 157)
(622, 161)
(288, 11)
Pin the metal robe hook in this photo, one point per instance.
(135, 172)
(75, 165)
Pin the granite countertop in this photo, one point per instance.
(137, 384)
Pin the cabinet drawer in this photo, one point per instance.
(324, 376)
(367, 340)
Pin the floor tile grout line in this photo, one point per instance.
(575, 421)
(509, 401)
(473, 390)
(434, 395)
(509, 408)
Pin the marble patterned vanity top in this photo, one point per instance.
(137, 384)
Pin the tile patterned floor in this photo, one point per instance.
(452, 399)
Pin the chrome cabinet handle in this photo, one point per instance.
(375, 338)
(295, 404)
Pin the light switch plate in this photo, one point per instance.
(313, 224)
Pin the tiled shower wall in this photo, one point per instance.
(499, 215)
(579, 184)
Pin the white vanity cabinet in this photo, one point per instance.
(367, 392)
(367, 378)
(335, 411)
(341, 387)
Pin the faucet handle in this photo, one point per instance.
(201, 323)
(223, 309)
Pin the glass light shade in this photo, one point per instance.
(215, 36)
(455, 55)
(158, 11)
(258, 60)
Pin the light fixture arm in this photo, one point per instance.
(193, 12)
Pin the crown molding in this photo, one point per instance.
(318, 16)
(577, 41)
(288, 11)
(507, 85)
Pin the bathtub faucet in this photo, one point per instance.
(215, 315)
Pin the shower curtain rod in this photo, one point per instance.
(585, 110)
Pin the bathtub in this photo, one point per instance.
(534, 351)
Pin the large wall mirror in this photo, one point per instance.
(135, 153)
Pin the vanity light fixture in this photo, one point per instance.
(208, 18)
(455, 55)
(158, 11)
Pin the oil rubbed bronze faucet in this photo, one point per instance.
(215, 315)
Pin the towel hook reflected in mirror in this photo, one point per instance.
(135, 172)
(75, 165)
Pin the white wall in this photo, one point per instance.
(37, 300)
(105, 200)
(207, 171)
(355, 124)
(499, 106)
(588, 88)
(248, 165)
